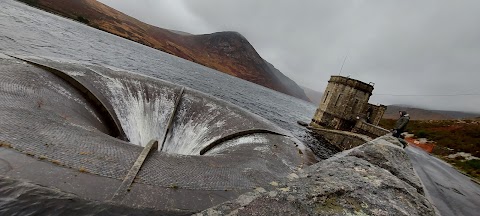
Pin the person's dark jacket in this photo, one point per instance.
(402, 122)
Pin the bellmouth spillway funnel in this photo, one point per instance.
(211, 144)
(144, 107)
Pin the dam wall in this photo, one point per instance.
(376, 178)
(370, 130)
(343, 140)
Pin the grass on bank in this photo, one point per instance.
(450, 136)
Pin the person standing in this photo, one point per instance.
(401, 124)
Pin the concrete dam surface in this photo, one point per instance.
(70, 133)
(79, 128)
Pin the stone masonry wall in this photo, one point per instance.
(376, 113)
(344, 140)
(343, 101)
(369, 129)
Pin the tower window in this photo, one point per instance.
(338, 99)
(326, 96)
(355, 105)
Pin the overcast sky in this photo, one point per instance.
(417, 47)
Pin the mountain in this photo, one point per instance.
(424, 114)
(458, 115)
(296, 90)
(314, 96)
(228, 52)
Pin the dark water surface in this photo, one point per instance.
(28, 31)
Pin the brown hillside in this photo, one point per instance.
(314, 96)
(424, 114)
(228, 52)
(415, 113)
(450, 137)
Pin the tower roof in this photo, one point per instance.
(357, 84)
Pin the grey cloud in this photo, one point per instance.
(170, 14)
(404, 47)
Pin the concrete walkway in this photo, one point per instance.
(451, 192)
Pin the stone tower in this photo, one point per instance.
(345, 102)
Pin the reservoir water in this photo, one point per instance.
(31, 32)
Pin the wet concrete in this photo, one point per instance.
(88, 187)
(451, 192)
(65, 143)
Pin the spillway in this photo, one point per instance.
(98, 119)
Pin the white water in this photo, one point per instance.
(143, 117)
(191, 135)
(143, 110)
(252, 138)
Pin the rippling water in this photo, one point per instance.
(29, 31)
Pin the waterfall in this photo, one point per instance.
(142, 108)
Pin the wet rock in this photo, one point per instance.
(373, 179)
(302, 123)
(388, 156)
